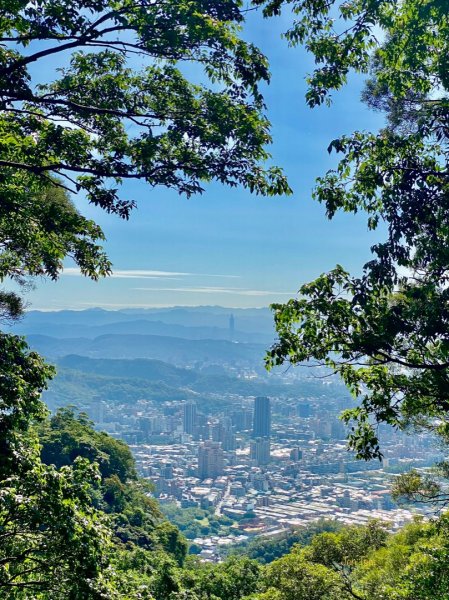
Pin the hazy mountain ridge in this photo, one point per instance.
(81, 380)
(127, 367)
(140, 327)
(83, 389)
(153, 370)
(178, 351)
(250, 320)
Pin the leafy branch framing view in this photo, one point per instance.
(102, 121)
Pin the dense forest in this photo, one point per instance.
(76, 522)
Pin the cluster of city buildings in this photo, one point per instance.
(272, 464)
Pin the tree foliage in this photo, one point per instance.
(346, 547)
(120, 106)
(39, 227)
(384, 332)
(66, 526)
(68, 435)
(197, 522)
(233, 579)
(409, 565)
(53, 541)
(135, 517)
(293, 578)
(23, 377)
(266, 550)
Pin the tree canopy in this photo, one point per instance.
(53, 541)
(116, 104)
(68, 435)
(386, 331)
(409, 565)
(120, 105)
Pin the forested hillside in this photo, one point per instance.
(176, 350)
(85, 382)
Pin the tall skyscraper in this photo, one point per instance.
(304, 410)
(189, 417)
(210, 460)
(231, 327)
(262, 417)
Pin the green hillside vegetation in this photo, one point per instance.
(153, 370)
(364, 563)
(267, 549)
(135, 521)
(75, 387)
(196, 522)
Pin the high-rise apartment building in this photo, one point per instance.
(189, 417)
(260, 451)
(167, 471)
(295, 454)
(210, 460)
(262, 417)
(222, 432)
(242, 419)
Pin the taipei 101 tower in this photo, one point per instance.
(231, 327)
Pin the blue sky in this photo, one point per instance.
(227, 247)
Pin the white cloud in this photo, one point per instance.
(216, 290)
(150, 274)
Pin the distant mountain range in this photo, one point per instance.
(177, 351)
(250, 325)
(158, 354)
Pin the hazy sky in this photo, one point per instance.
(227, 247)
